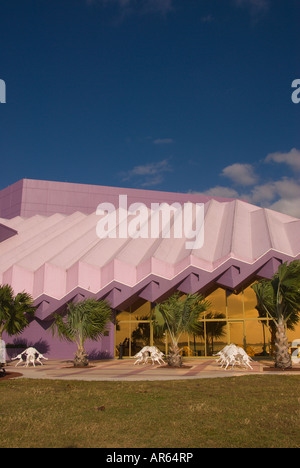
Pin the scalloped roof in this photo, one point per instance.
(59, 257)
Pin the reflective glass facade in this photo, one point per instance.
(232, 318)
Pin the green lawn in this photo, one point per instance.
(248, 411)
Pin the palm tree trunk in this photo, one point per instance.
(81, 358)
(283, 359)
(174, 357)
(273, 329)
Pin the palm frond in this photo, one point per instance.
(181, 314)
(279, 297)
(15, 311)
(87, 319)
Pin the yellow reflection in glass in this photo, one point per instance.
(235, 305)
(218, 300)
(250, 303)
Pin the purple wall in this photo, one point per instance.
(52, 348)
(11, 200)
(30, 197)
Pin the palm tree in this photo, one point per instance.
(214, 329)
(85, 320)
(280, 299)
(271, 324)
(15, 311)
(180, 315)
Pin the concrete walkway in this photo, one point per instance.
(116, 370)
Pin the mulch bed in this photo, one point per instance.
(9, 375)
(277, 369)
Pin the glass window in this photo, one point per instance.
(236, 333)
(140, 336)
(122, 315)
(123, 337)
(197, 345)
(258, 337)
(218, 300)
(235, 307)
(141, 310)
(232, 318)
(184, 345)
(293, 335)
(250, 303)
(133, 327)
(215, 335)
(160, 340)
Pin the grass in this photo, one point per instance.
(248, 411)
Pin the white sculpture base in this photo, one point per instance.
(149, 353)
(32, 357)
(233, 355)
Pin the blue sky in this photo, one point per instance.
(174, 95)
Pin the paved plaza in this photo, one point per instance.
(116, 370)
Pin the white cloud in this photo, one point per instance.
(163, 141)
(153, 180)
(150, 168)
(290, 207)
(156, 6)
(207, 19)
(219, 191)
(140, 6)
(281, 194)
(261, 194)
(240, 174)
(287, 188)
(149, 174)
(292, 158)
(255, 6)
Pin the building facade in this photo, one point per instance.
(50, 247)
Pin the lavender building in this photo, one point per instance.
(50, 248)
